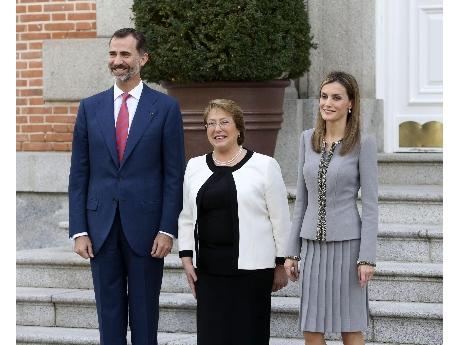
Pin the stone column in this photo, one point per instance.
(112, 15)
(345, 34)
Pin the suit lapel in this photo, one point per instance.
(107, 123)
(144, 113)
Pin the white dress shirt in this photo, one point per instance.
(132, 103)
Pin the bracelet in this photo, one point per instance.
(295, 257)
(360, 262)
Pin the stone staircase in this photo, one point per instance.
(55, 301)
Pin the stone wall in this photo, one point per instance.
(41, 199)
(42, 125)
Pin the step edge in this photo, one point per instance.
(290, 305)
(94, 335)
(414, 158)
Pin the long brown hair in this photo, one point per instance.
(353, 126)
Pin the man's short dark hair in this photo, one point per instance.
(141, 45)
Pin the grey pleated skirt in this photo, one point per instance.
(332, 301)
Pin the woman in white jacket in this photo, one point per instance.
(232, 233)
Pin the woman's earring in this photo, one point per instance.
(349, 110)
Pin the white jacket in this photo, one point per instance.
(263, 211)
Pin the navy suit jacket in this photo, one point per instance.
(146, 185)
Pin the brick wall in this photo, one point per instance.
(45, 126)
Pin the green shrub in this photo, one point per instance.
(217, 40)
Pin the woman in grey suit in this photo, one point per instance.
(336, 247)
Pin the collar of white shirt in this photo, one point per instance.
(136, 92)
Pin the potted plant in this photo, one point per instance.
(245, 50)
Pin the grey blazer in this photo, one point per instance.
(345, 176)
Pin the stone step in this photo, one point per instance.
(410, 168)
(406, 204)
(397, 281)
(64, 225)
(56, 267)
(60, 268)
(410, 242)
(33, 335)
(401, 322)
(403, 242)
(414, 204)
(407, 282)
(397, 242)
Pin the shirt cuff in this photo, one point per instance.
(279, 260)
(186, 254)
(79, 235)
(166, 233)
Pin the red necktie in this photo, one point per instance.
(122, 127)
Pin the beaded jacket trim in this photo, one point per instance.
(326, 156)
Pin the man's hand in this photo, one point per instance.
(83, 247)
(280, 279)
(292, 269)
(162, 246)
(190, 273)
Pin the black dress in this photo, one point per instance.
(233, 305)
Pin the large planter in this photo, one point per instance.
(262, 104)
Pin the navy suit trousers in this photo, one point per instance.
(127, 287)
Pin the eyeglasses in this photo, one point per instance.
(222, 124)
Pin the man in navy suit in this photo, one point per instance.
(125, 192)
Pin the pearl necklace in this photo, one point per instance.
(229, 162)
